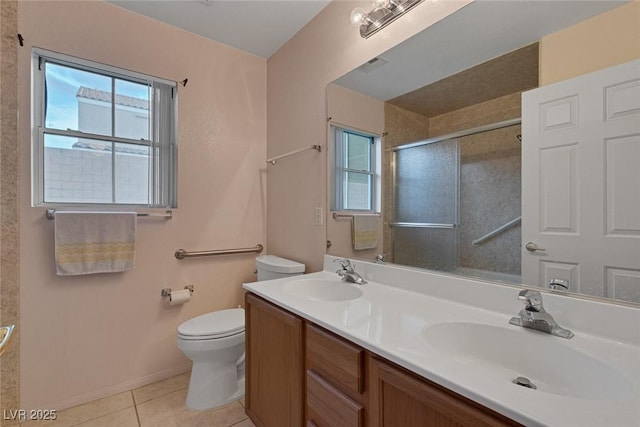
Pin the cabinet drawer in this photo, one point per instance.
(338, 361)
(328, 407)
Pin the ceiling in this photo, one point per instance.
(257, 27)
(480, 31)
(510, 73)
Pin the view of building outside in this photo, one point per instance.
(358, 182)
(85, 170)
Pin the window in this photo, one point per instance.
(356, 163)
(101, 135)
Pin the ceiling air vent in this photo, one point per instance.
(372, 64)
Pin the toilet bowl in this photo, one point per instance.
(215, 343)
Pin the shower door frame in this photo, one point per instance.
(450, 136)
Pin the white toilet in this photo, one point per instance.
(215, 343)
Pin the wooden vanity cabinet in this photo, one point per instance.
(274, 365)
(299, 374)
(399, 398)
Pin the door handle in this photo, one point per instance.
(5, 336)
(532, 247)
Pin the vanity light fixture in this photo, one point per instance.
(384, 12)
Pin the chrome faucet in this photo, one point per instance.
(348, 272)
(534, 316)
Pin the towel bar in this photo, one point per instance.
(273, 160)
(51, 214)
(337, 215)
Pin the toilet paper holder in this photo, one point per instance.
(165, 292)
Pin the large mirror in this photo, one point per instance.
(446, 106)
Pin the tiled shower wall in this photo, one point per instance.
(403, 127)
(9, 247)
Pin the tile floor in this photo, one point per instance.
(159, 404)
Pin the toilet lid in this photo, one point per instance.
(215, 324)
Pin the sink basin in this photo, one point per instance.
(322, 290)
(548, 362)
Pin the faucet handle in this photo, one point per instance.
(380, 258)
(344, 263)
(532, 299)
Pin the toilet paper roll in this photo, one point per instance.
(179, 297)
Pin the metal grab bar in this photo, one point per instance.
(51, 214)
(497, 231)
(272, 160)
(181, 253)
(420, 225)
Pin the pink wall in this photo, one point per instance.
(605, 40)
(326, 48)
(359, 112)
(89, 336)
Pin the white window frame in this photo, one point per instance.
(162, 133)
(338, 169)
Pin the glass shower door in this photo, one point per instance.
(426, 190)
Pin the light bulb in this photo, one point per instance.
(378, 4)
(358, 16)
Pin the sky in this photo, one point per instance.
(62, 106)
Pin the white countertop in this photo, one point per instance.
(399, 305)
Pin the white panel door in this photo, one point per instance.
(581, 183)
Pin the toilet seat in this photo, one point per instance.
(208, 337)
(214, 325)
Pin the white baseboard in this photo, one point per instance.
(119, 388)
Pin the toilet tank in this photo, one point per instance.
(273, 267)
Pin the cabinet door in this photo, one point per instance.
(274, 365)
(400, 399)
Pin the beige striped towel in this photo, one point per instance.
(365, 231)
(94, 242)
